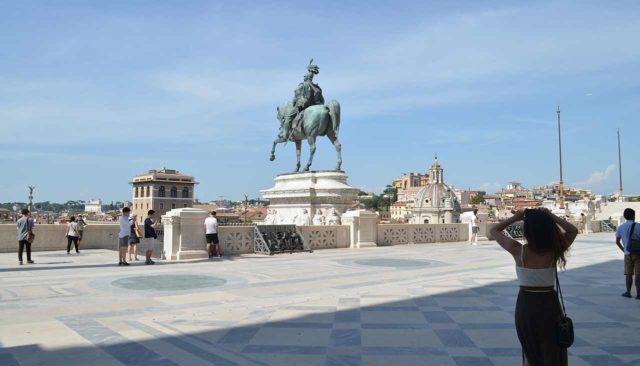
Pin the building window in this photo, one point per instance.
(148, 191)
(174, 192)
(162, 206)
(161, 191)
(173, 205)
(184, 205)
(147, 206)
(185, 192)
(135, 191)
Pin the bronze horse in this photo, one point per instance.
(317, 120)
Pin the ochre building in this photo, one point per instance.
(162, 191)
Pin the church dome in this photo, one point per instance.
(436, 202)
(436, 196)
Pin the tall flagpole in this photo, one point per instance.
(560, 186)
(620, 166)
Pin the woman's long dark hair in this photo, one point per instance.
(544, 235)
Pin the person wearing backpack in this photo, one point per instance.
(628, 240)
(80, 229)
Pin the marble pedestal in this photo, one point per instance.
(184, 233)
(364, 228)
(323, 190)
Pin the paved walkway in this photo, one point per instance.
(445, 304)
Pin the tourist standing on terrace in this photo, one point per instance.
(583, 223)
(474, 228)
(631, 260)
(25, 229)
(81, 225)
(72, 234)
(134, 237)
(538, 311)
(211, 233)
(150, 236)
(123, 237)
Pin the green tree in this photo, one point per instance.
(477, 199)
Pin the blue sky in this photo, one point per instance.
(94, 92)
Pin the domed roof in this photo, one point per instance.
(436, 196)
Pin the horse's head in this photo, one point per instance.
(283, 109)
(282, 112)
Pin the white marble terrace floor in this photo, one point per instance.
(444, 304)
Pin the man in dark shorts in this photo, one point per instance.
(631, 260)
(123, 237)
(150, 236)
(211, 233)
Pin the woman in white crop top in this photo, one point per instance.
(548, 238)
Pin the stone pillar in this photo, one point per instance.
(483, 228)
(184, 234)
(363, 228)
(171, 225)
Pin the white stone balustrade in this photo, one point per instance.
(325, 237)
(53, 237)
(184, 235)
(236, 240)
(399, 234)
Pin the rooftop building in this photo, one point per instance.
(161, 190)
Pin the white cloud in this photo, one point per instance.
(598, 178)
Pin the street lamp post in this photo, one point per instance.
(560, 186)
(620, 167)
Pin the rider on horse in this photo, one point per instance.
(306, 94)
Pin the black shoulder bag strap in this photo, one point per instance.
(630, 235)
(564, 326)
(564, 311)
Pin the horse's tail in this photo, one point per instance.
(334, 112)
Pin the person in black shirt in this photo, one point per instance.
(150, 235)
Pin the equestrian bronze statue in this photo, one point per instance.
(306, 117)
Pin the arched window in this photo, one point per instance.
(185, 192)
(135, 191)
(161, 191)
(174, 192)
(148, 191)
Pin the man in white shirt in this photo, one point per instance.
(123, 236)
(211, 233)
(631, 260)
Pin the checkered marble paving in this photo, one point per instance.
(443, 304)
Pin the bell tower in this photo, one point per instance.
(436, 173)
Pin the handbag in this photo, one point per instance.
(564, 326)
(633, 245)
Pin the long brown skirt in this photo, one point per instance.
(536, 316)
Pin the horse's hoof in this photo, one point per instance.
(272, 158)
(306, 169)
